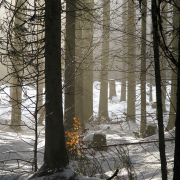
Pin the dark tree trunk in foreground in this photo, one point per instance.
(55, 155)
(55, 147)
(177, 124)
(70, 66)
(158, 90)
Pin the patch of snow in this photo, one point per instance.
(144, 157)
(89, 137)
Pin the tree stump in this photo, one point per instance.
(112, 88)
(99, 139)
(96, 140)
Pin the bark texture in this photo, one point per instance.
(17, 65)
(79, 91)
(143, 67)
(69, 113)
(177, 123)
(87, 35)
(103, 101)
(131, 97)
(163, 60)
(123, 80)
(55, 156)
(172, 113)
(155, 11)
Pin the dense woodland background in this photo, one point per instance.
(55, 53)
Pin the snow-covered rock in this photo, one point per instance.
(96, 139)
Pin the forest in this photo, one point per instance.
(89, 89)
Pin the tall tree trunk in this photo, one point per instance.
(131, 96)
(70, 65)
(151, 69)
(16, 103)
(55, 156)
(40, 80)
(103, 101)
(87, 35)
(177, 123)
(17, 64)
(163, 60)
(158, 89)
(112, 88)
(143, 66)
(172, 113)
(123, 80)
(150, 84)
(79, 107)
(40, 64)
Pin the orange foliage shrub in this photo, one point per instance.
(75, 138)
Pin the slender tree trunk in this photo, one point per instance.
(17, 64)
(16, 103)
(40, 36)
(79, 107)
(112, 88)
(87, 35)
(163, 60)
(70, 66)
(123, 81)
(152, 78)
(103, 101)
(143, 67)
(39, 81)
(177, 123)
(158, 90)
(131, 96)
(55, 156)
(151, 69)
(150, 84)
(172, 113)
(40, 63)
(40, 85)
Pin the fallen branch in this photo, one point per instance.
(133, 143)
(114, 175)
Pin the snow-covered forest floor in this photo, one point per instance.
(142, 161)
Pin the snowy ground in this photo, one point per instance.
(16, 149)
